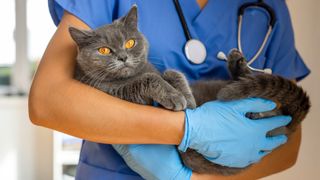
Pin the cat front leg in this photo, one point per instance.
(180, 83)
(156, 88)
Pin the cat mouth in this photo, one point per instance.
(127, 65)
(125, 68)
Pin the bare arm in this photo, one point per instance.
(58, 102)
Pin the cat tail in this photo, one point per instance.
(291, 99)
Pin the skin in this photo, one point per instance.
(202, 3)
(59, 102)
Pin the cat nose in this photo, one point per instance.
(123, 59)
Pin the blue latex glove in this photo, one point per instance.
(153, 161)
(221, 132)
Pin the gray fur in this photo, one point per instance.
(291, 100)
(126, 74)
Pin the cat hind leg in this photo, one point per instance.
(269, 114)
(237, 65)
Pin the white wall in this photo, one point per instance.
(305, 16)
(25, 150)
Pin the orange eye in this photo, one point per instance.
(104, 51)
(130, 43)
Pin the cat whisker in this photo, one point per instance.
(88, 75)
(113, 67)
(95, 78)
(99, 79)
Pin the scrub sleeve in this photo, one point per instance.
(283, 59)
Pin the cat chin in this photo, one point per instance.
(126, 72)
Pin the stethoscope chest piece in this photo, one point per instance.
(195, 51)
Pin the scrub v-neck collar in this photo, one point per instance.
(192, 10)
(202, 23)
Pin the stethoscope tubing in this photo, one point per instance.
(259, 4)
(265, 40)
(195, 51)
(182, 20)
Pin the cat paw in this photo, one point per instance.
(191, 102)
(252, 115)
(235, 55)
(178, 80)
(237, 64)
(175, 102)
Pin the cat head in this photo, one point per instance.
(116, 51)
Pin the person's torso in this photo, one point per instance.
(215, 25)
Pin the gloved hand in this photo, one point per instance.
(153, 161)
(221, 132)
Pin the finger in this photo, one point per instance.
(213, 155)
(263, 154)
(260, 155)
(273, 142)
(274, 122)
(254, 105)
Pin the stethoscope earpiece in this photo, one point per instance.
(268, 71)
(222, 56)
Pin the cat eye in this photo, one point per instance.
(104, 51)
(129, 44)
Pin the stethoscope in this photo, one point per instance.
(196, 52)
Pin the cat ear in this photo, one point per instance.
(131, 19)
(80, 36)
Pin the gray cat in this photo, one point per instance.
(113, 59)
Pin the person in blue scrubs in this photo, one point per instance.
(215, 25)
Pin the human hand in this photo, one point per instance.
(222, 134)
(153, 161)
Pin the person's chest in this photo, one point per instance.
(216, 25)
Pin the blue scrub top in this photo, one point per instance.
(215, 25)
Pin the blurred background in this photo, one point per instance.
(33, 153)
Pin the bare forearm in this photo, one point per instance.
(58, 102)
(84, 112)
